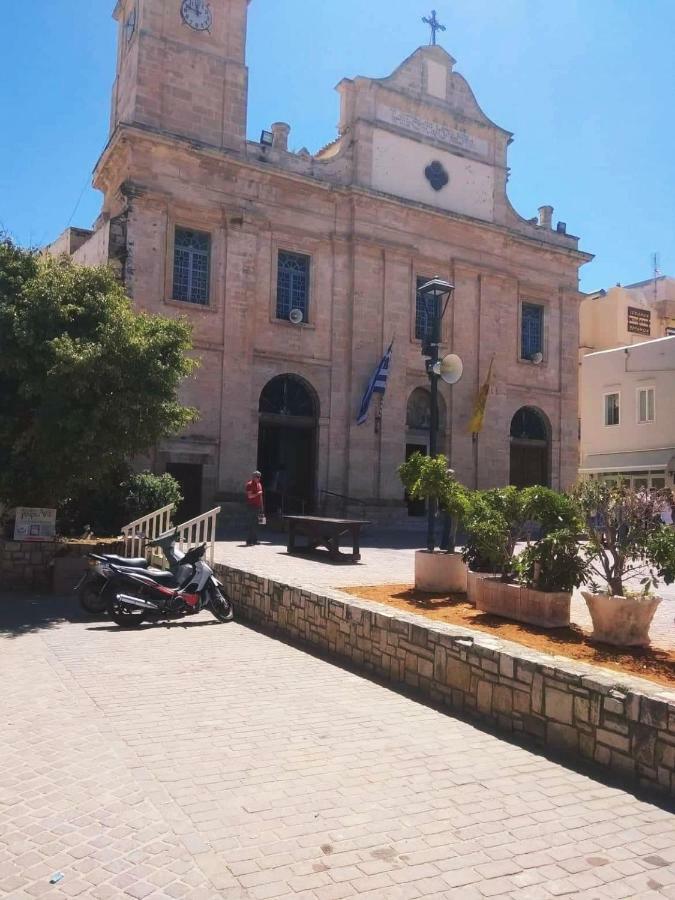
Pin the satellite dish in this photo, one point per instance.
(296, 316)
(450, 368)
(537, 358)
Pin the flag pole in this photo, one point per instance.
(478, 417)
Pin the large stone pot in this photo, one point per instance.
(475, 585)
(440, 572)
(523, 604)
(621, 621)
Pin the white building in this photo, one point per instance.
(627, 410)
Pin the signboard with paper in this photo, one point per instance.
(34, 524)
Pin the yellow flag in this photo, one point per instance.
(476, 423)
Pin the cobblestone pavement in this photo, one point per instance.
(208, 761)
(393, 564)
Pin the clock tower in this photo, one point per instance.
(181, 69)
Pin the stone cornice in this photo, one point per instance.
(124, 131)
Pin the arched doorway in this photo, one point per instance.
(288, 416)
(418, 426)
(530, 448)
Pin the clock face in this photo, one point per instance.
(197, 14)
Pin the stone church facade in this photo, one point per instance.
(238, 234)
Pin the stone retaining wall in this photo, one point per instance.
(31, 565)
(624, 723)
(26, 564)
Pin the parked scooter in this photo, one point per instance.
(92, 589)
(137, 596)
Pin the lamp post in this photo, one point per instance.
(435, 294)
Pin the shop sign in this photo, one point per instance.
(639, 321)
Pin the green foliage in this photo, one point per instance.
(502, 517)
(98, 505)
(661, 551)
(553, 563)
(86, 383)
(550, 510)
(425, 477)
(495, 524)
(106, 504)
(429, 478)
(146, 493)
(623, 529)
(487, 537)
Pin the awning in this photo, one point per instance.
(630, 461)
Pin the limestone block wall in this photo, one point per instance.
(26, 564)
(622, 723)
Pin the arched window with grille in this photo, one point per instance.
(292, 284)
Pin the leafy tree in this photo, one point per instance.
(626, 537)
(86, 383)
(429, 478)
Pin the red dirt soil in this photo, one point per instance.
(644, 662)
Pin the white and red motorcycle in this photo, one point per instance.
(137, 596)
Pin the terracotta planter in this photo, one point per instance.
(475, 585)
(522, 604)
(440, 572)
(621, 621)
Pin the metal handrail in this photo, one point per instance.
(200, 530)
(136, 534)
(346, 501)
(286, 497)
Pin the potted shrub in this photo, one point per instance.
(485, 549)
(628, 551)
(549, 570)
(536, 586)
(429, 478)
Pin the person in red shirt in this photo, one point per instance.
(255, 507)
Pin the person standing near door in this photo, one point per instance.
(255, 507)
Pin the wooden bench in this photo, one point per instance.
(326, 533)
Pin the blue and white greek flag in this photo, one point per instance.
(377, 385)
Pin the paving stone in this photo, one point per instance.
(277, 774)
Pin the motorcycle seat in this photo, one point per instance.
(135, 563)
(168, 579)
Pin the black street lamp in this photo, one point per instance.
(435, 294)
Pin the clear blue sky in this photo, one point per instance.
(585, 85)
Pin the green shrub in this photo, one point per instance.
(503, 517)
(485, 549)
(429, 478)
(661, 550)
(495, 523)
(105, 505)
(553, 563)
(145, 493)
(551, 510)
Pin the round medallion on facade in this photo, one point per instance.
(436, 175)
(197, 14)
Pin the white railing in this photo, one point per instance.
(201, 530)
(137, 534)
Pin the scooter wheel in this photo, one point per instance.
(220, 606)
(124, 615)
(92, 600)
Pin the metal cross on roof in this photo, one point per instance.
(434, 24)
